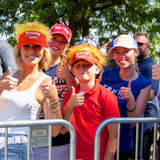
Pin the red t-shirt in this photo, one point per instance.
(99, 104)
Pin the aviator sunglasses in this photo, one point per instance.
(141, 44)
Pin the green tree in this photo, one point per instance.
(107, 18)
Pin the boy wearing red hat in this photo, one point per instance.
(87, 105)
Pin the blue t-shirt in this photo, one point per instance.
(112, 81)
(145, 68)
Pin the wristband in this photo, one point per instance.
(54, 104)
(132, 109)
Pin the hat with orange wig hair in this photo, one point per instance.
(90, 54)
(32, 33)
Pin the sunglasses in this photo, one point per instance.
(141, 44)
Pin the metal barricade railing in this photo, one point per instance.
(50, 122)
(119, 121)
(136, 120)
(45, 122)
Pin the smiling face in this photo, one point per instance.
(85, 71)
(31, 54)
(124, 57)
(57, 44)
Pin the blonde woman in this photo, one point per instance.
(29, 87)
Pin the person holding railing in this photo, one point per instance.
(87, 105)
(130, 87)
(29, 88)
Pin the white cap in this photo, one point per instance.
(126, 41)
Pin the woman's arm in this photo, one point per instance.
(53, 113)
(135, 109)
(51, 105)
(141, 102)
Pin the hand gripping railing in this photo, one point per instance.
(45, 122)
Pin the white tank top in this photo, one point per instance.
(28, 107)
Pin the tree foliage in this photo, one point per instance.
(106, 18)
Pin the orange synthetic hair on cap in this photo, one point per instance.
(100, 56)
(32, 27)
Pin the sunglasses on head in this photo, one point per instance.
(141, 44)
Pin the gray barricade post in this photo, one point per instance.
(37, 129)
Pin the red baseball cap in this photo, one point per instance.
(32, 37)
(61, 29)
(85, 55)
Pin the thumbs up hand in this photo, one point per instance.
(50, 91)
(156, 72)
(76, 99)
(7, 82)
(62, 71)
(126, 92)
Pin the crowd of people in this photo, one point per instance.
(80, 84)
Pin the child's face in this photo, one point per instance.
(84, 70)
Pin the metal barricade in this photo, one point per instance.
(118, 121)
(41, 123)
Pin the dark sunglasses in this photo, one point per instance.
(141, 44)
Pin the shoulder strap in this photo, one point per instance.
(37, 83)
